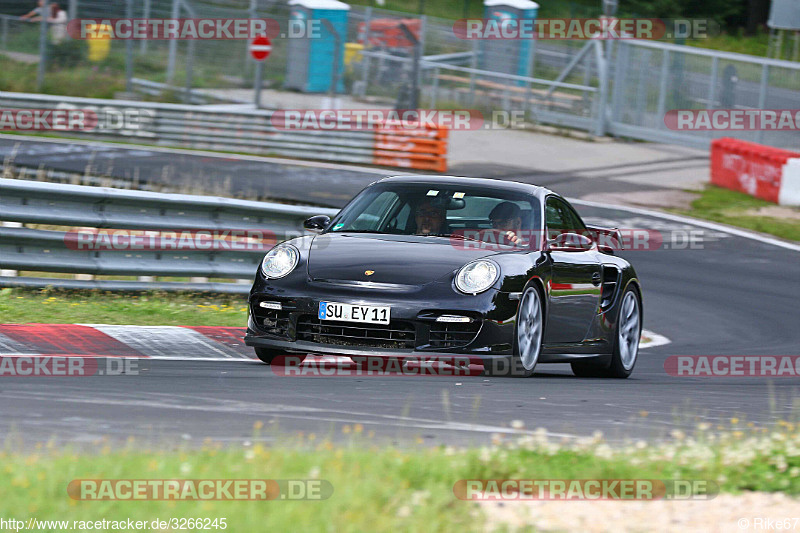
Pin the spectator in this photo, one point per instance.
(35, 14)
(58, 23)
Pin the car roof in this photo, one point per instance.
(507, 185)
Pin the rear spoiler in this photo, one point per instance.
(607, 239)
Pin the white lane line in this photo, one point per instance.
(695, 221)
(652, 339)
(168, 342)
(204, 404)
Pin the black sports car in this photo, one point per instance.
(504, 273)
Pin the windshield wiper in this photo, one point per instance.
(360, 231)
(458, 235)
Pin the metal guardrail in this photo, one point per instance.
(250, 131)
(78, 206)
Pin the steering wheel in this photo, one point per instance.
(501, 237)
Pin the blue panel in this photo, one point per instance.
(322, 50)
(508, 56)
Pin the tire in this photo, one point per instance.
(268, 356)
(528, 335)
(626, 342)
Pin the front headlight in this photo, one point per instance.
(477, 276)
(280, 261)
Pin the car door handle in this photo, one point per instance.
(596, 279)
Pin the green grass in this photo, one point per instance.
(380, 488)
(737, 42)
(84, 81)
(733, 207)
(145, 309)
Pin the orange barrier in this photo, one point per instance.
(424, 148)
(760, 171)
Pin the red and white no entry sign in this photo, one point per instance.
(260, 47)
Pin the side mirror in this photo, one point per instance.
(317, 222)
(569, 242)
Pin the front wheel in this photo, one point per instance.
(278, 357)
(527, 339)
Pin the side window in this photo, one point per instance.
(576, 224)
(560, 217)
(399, 222)
(554, 217)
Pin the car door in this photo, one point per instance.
(575, 283)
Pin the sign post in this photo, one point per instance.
(260, 48)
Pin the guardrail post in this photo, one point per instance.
(146, 15)
(365, 59)
(42, 46)
(602, 97)
(762, 96)
(6, 272)
(3, 32)
(662, 86)
(435, 93)
(414, 100)
(173, 44)
(620, 76)
(189, 69)
(129, 50)
(713, 83)
(473, 64)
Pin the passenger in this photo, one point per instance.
(507, 217)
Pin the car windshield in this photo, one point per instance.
(464, 212)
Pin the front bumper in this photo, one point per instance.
(412, 332)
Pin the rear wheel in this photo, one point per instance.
(527, 339)
(626, 342)
(269, 356)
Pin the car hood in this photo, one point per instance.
(397, 259)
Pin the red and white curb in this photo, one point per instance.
(195, 343)
(187, 343)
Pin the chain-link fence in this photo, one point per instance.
(648, 79)
(621, 87)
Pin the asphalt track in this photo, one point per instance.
(730, 295)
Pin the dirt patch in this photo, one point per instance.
(660, 198)
(724, 513)
(775, 211)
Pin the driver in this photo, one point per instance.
(507, 218)
(429, 217)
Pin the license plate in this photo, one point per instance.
(371, 314)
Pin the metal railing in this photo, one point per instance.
(72, 207)
(250, 131)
